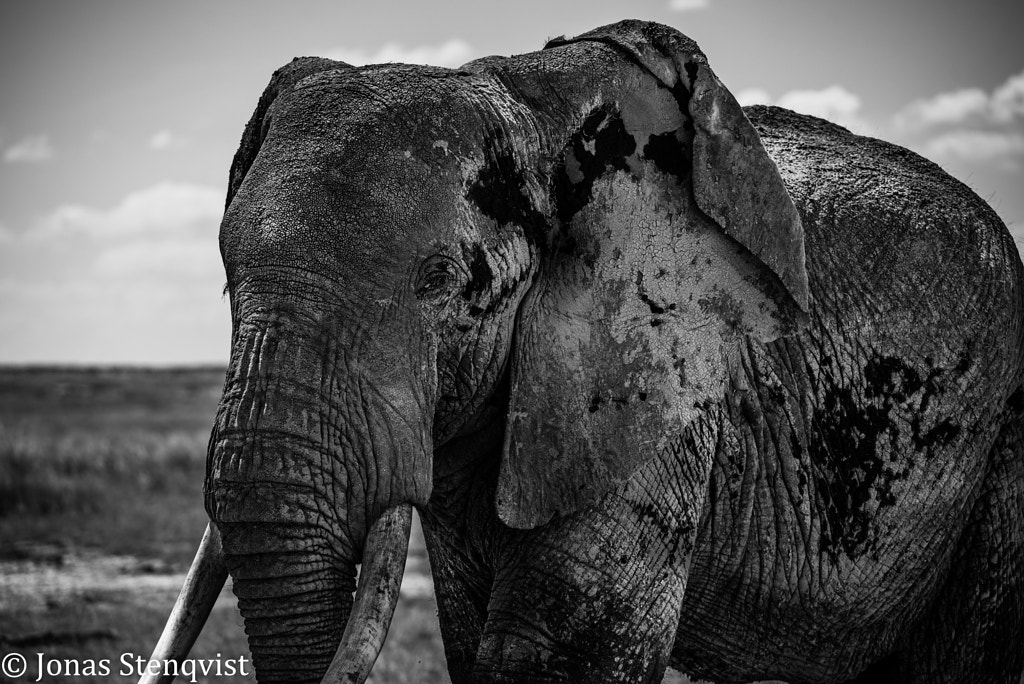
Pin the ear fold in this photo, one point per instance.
(678, 239)
(735, 182)
(283, 80)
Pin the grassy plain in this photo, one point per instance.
(100, 512)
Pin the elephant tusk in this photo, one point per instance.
(380, 579)
(202, 586)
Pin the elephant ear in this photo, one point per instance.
(676, 239)
(283, 80)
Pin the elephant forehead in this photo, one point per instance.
(321, 211)
(370, 165)
(435, 115)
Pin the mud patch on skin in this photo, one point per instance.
(863, 447)
(602, 143)
(891, 378)
(500, 190)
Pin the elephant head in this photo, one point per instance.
(565, 245)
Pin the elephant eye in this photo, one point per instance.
(440, 277)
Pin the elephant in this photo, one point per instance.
(669, 381)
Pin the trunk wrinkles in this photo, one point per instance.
(299, 466)
(270, 490)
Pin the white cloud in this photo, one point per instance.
(6, 236)
(165, 140)
(139, 280)
(969, 126)
(1008, 99)
(1004, 105)
(977, 146)
(687, 5)
(751, 96)
(452, 53)
(834, 103)
(33, 149)
(192, 259)
(162, 209)
(945, 108)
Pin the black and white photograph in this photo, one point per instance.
(665, 341)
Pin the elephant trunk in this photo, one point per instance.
(302, 621)
(309, 475)
(294, 610)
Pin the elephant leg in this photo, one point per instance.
(975, 630)
(592, 598)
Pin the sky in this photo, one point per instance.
(118, 121)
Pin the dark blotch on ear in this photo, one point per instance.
(669, 154)
(604, 133)
(499, 190)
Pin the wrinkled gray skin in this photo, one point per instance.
(649, 413)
